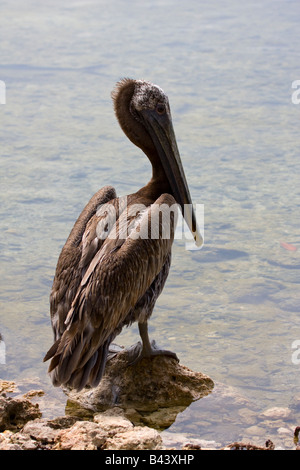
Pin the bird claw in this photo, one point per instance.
(136, 353)
(113, 350)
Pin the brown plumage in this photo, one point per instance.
(112, 268)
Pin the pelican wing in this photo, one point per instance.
(73, 260)
(119, 274)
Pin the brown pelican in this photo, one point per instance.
(103, 282)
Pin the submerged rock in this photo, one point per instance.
(151, 392)
(276, 413)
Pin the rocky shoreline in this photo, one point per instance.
(113, 416)
(122, 413)
(23, 428)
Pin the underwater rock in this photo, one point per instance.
(7, 386)
(277, 413)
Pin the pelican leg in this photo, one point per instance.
(146, 348)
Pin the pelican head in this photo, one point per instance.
(148, 124)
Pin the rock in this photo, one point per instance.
(183, 442)
(161, 418)
(284, 431)
(139, 438)
(62, 422)
(7, 386)
(15, 412)
(41, 431)
(157, 383)
(248, 416)
(83, 435)
(295, 405)
(248, 446)
(113, 422)
(296, 434)
(151, 392)
(5, 441)
(106, 432)
(255, 431)
(224, 393)
(19, 441)
(277, 413)
(113, 429)
(110, 430)
(34, 393)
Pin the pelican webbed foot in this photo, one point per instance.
(146, 349)
(113, 350)
(136, 352)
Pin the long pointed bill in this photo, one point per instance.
(162, 133)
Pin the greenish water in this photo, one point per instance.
(230, 310)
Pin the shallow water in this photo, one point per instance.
(230, 310)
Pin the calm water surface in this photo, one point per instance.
(230, 310)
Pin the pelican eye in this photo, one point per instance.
(160, 108)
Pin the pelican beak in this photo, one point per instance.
(162, 133)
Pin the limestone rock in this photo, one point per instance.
(139, 438)
(15, 412)
(6, 442)
(41, 430)
(83, 435)
(7, 386)
(151, 385)
(17, 441)
(128, 400)
(107, 432)
(113, 422)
